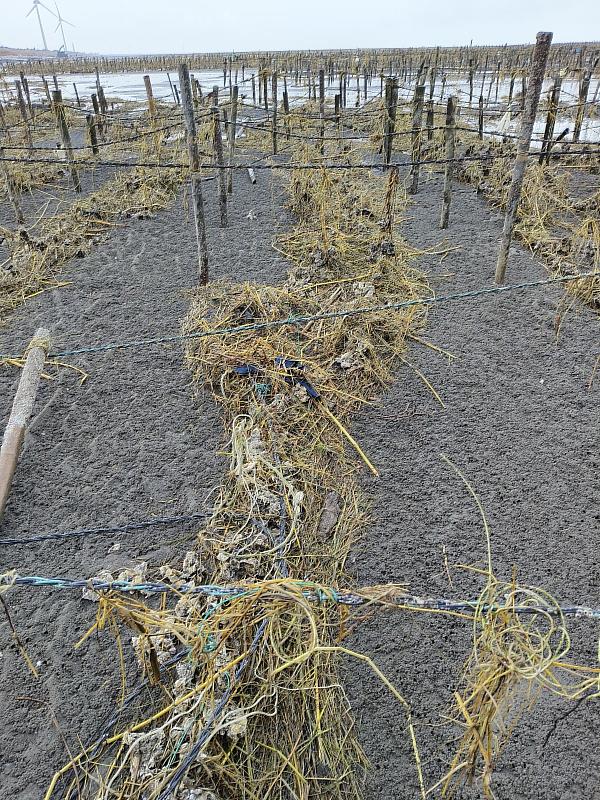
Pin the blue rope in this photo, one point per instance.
(311, 592)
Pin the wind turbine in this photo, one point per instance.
(36, 8)
(61, 19)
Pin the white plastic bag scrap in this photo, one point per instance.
(90, 594)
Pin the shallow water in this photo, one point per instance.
(129, 86)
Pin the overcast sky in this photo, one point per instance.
(172, 26)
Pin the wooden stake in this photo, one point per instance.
(172, 88)
(275, 104)
(97, 114)
(25, 118)
(13, 197)
(22, 407)
(150, 96)
(91, 126)
(218, 150)
(63, 129)
(550, 120)
(417, 117)
(584, 87)
(429, 119)
(480, 125)
(322, 109)
(389, 126)
(192, 144)
(538, 68)
(286, 111)
(102, 101)
(450, 140)
(231, 136)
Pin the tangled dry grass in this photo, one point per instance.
(248, 697)
(38, 251)
(251, 704)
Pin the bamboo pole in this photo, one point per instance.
(192, 144)
(534, 88)
(450, 140)
(22, 407)
(63, 129)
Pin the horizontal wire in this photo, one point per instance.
(291, 166)
(100, 531)
(310, 591)
(458, 296)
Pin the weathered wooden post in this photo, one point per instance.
(13, 198)
(23, 110)
(150, 96)
(584, 87)
(253, 90)
(231, 135)
(550, 119)
(450, 140)
(275, 108)
(47, 90)
(322, 109)
(25, 85)
(480, 121)
(102, 101)
(97, 115)
(218, 151)
(417, 117)
(63, 129)
(511, 88)
(429, 119)
(3, 126)
(172, 88)
(286, 112)
(389, 120)
(471, 71)
(91, 127)
(192, 145)
(22, 407)
(538, 67)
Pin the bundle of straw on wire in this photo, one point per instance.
(257, 709)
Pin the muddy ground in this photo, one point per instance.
(520, 420)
